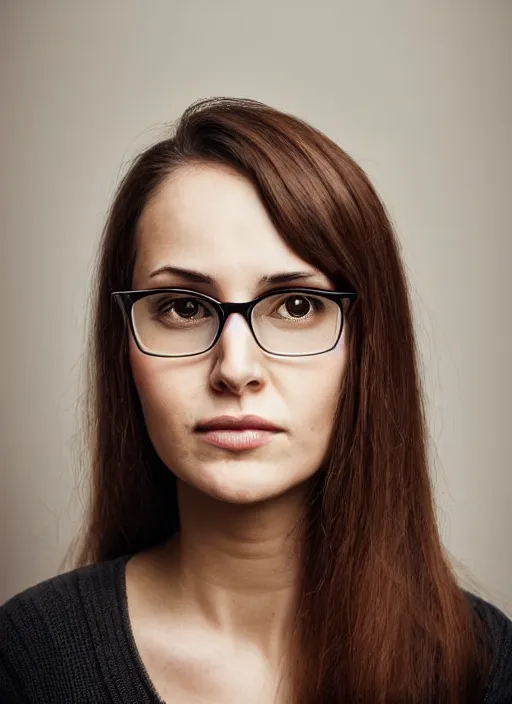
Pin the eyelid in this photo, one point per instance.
(275, 289)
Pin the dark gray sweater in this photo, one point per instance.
(68, 640)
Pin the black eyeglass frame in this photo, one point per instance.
(127, 299)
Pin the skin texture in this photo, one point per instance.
(211, 609)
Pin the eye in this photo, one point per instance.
(298, 306)
(176, 309)
(292, 308)
(184, 307)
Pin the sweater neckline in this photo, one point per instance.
(129, 638)
(125, 638)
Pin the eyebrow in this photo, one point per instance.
(199, 278)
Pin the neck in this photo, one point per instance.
(237, 566)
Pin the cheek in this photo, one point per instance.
(166, 398)
(140, 370)
(316, 395)
(325, 398)
(152, 382)
(331, 372)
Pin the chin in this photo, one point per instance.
(246, 483)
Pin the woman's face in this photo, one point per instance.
(211, 220)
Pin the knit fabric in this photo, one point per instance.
(68, 640)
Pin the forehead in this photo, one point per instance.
(211, 219)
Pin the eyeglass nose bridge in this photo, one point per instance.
(226, 309)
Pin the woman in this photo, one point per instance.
(261, 524)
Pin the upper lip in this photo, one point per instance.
(238, 423)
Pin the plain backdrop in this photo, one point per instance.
(418, 92)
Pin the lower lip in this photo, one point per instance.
(238, 439)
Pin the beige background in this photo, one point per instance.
(419, 92)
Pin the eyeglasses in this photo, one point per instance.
(291, 322)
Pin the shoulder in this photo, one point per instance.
(47, 627)
(500, 628)
(50, 602)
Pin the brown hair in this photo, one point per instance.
(382, 617)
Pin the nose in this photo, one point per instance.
(238, 358)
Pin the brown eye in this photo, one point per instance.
(186, 307)
(175, 310)
(297, 306)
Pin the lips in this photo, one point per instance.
(247, 422)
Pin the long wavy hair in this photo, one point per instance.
(382, 618)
